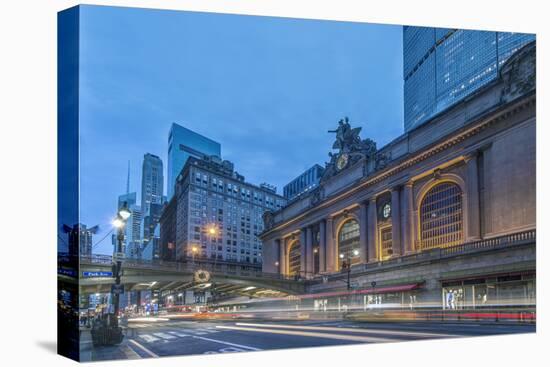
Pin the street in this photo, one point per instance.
(150, 339)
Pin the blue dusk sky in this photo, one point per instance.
(267, 89)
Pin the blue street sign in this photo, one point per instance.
(117, 288)
(65, 271)
(97, 274)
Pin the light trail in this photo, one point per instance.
(363, 339)
(350, 330)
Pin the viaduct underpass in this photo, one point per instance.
(95, 275)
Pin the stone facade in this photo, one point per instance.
(475, 164)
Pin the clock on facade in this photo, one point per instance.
(342, 161)
(386, 211)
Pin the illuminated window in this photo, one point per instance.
(441, 216)
(348, 242)
(294, 258)
(386, 242)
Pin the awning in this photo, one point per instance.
(377, 290)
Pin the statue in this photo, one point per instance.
(269, 220)
(351, 148)
(382, 160)
(346, 137)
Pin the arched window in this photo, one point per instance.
(294, 258)
(441, 216)
(348, 243)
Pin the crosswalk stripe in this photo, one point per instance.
(178, 334)
(148, 338)
(164, 336)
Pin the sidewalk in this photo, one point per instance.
(89, 353)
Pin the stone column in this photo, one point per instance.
(303, 253)
(282, 256)
(330, 247)
(363, 232)
(473, 231)
(322, 246)
(371, 231)
(309, 251)
(396, 221)
(408, 234)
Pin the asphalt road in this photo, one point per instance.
(172, 338)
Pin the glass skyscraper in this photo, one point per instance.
(182, 144)
(441, 66)
(152, 182)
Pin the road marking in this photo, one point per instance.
(143, 348)
(347, 329)
(130, 353)
(226, 350)
(137, 326)
(369, 339)
(176, 333)
(164, 336)
(227, 343)
(148, 338)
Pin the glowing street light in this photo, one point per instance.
(124, 212)
(118, 222)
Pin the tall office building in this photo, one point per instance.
(442, 66)
(152, 182)
(132, 230)
(85, 239)
(182, 144)
(133, 240)
(216, 214)
(307, 181)
(152, 191)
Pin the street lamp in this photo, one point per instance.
(119, 222)
(346, 265)
(194, 250)
(212, 231)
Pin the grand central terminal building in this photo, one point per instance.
(443, 215)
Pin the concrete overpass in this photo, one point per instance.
(95, 276)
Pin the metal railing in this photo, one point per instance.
(504, 241)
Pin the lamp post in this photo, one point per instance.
(194, 250)
(346, 265)
(213, 233)
(119, 222)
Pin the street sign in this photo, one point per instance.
(66, 271)
(97, 274)
(117, 288)
(118, 256)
